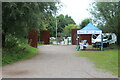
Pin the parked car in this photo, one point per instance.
(108, 39)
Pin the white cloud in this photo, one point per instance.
(77, 9)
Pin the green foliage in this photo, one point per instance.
(41, 43)
(16, 49)
(106, 15)
(62, 21)
(84, 23)
(17, 53)
(19, 17)
(27, 13)
(106, 60)
(67, 29)
(52, 26)
(11, 41)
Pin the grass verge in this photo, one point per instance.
(106, 60)
(10, 56)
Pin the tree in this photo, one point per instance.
(69, 20)
(67, 29)
(84, 23)
(106, 14)
(52, 26)
(62, 21)
(20, 17)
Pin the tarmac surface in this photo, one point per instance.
(54, 61)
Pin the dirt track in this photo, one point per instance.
(54, 61)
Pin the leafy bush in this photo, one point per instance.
(17, 53)
(11, 41)
(16, 49)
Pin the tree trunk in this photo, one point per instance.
(0, 40)
(3, 40)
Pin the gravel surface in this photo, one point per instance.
(54, 61)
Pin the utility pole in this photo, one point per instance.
(56, 28)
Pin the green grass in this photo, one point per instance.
(10, 56)
(106, 60)
(40, 43)
(0, 56)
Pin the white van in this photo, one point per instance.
(108, 38)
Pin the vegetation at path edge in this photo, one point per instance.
(13, 55)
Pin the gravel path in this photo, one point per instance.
(54, 61)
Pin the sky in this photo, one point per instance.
(77, 9)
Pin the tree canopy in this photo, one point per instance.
(62, 21)
(68, 28)
(84, 22)
(106, 15)
(19, 17)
